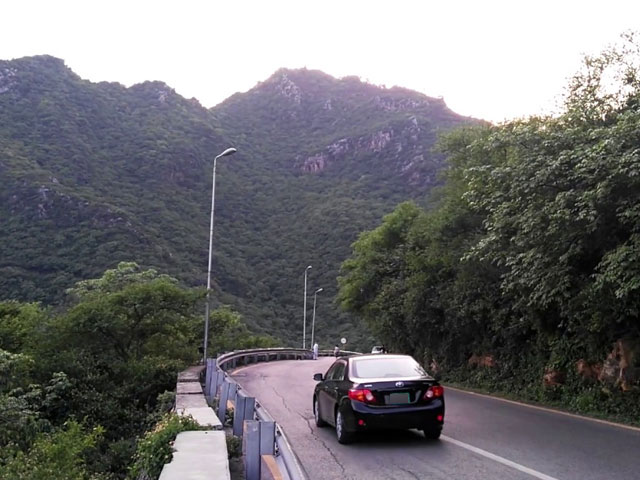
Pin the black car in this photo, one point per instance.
(367, 392)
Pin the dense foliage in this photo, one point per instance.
(79, 384)
(94, 174)
(526, 277)
(59, 455)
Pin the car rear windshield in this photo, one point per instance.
(386, 367)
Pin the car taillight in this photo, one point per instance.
(435, 391)
(362, 395)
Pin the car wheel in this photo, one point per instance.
(343, 435)
(432, 433)
(316, 414)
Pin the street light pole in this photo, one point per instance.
(304, 315)
(228, 151)
(313, 321)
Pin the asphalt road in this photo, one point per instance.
(483, 437)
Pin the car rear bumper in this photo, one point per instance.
(365, 417)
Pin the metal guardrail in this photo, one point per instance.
(284, 454)
(245, 357)
(255, 355)
(290, 466)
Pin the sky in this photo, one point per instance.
(490, 59)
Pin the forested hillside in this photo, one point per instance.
(81, 384)
(94, 174)
(526, 277)
(518, 272)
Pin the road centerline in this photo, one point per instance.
(498, 458)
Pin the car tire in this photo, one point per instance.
(343, 435)
(316, 414)
(432, 433)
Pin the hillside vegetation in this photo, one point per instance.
(519, 273)
(95, 174)
(526, 277)
(81, 385)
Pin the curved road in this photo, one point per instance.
(483, 437)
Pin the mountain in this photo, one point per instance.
(95, 173)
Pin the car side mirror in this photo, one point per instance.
(318, 377)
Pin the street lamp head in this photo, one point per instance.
(319, 290)
(308, 267)
(228, 151)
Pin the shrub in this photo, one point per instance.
(154, 449)
(60, 455)
(234, 446)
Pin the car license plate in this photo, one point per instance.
(398, 398)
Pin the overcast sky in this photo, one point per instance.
(489, 59)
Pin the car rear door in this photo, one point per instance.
(329, 394)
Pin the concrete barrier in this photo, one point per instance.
(190, 399)
(198, 455)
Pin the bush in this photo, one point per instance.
(234, 446)
(154, 449)
(60, 455)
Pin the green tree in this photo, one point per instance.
(60, 455)
(372, 283)
(121, 343)
(531, 252)
(228, 332)
(561, 197)
(19, 325)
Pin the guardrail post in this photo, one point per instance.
(210, 367)
(222, 405)
(212, 391)
(218, 378)
(219, 382)
(233, 393)
(228, 391)
(238, 415)
(208, 384)
(251, 449)
(244, 411)
(267, 438)
(211, 384)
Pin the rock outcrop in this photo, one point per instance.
(553, 377)
(619, 368)
(486, 361)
